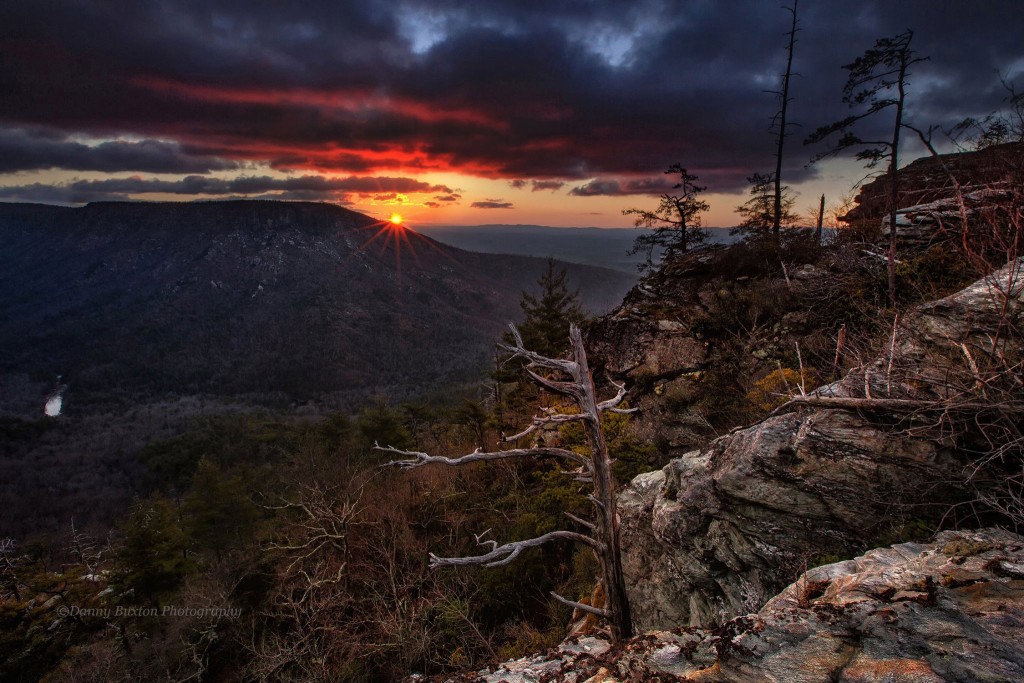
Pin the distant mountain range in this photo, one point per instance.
(146, 317)
(249, 297)
(604, 247)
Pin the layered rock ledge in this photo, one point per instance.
(949, 611)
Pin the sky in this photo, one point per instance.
(506, 111)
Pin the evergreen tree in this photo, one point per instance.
(218, 510)
(676, 220)
(758, 212)
(151, 559)
(378, 421)
(546, 316)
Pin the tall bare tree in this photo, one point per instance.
(570, 378)
(877, 80)
(821, 220)
(784, 100)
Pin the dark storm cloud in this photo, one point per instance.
(492, 204)
(551, 91)
(536, 185)
(30, 150)
(598, 187)
(304, 187)
(552, 185)
(609, 186)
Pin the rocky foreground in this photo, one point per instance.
(717, 532)
(942, 612)
(711, 537)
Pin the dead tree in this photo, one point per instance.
(821, 220)
(780, 118)
(571, 379)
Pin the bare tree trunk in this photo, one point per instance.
(784, 104)
(682, 226)
(821, 220)
(606, 517)
(894, 173)
(499, 412)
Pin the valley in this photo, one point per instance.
(152, 315)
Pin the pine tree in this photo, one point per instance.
(218, 511)
(676, 220)
(877, 82)
(546, 315)
(759, 212)
(150, 559)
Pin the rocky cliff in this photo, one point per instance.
(887, 449)
(949, 611)
(930, 179)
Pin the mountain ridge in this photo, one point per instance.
(78, 285)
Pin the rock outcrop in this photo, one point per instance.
(697, 318)
(873, 456)
(927, 179)
(950, 611)
(923, 224)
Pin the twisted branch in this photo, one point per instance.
(620, 393)
(536, 360)
(501, 555)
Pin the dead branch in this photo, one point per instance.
(580, 606)
(501, 555)
(553, 418)
(580, 521)
(610, 404)
(419, 459)
(536, 360)
(568, 389)
(545, 421)
(894, 404)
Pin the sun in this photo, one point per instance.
(396, 219)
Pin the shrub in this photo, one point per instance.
(775, 388)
